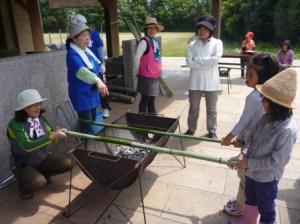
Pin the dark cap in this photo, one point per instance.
(286, 42)
(207, 21)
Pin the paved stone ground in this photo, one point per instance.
(172, 194)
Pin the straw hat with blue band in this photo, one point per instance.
(152, 22)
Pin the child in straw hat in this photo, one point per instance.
(261, 67)
(269, 148)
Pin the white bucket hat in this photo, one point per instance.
(78, 18)
(152, 22)
(28, 97)
(76, 27)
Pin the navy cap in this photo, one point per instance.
(208, 21)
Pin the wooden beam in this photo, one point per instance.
(111, 27)
(22, 4)
(216, 12)
(110, 15)
(36, 25)
(72, 3)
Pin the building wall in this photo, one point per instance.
(45, 72)
(23, 28)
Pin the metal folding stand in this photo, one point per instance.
(69, 213)
(142, 196)
(11, 179)
(182, 148)
(72, 123)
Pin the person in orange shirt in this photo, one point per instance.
(248, 43)
(248, 47)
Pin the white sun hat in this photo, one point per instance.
(76, 27)
(28, 97)
(78, 18)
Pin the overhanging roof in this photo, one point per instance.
(72, 3)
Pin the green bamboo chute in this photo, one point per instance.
(150, 131)
(152, 148)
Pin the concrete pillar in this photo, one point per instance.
(111, 27)
(36, 25)
(129, 48)
(216, 12)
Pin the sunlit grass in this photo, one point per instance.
(175, 43)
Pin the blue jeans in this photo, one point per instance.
(263, 195)
(87, 115)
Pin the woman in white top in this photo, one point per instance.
(202, 58)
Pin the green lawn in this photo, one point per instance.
(175, 44)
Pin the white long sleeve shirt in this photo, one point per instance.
(203, 59)
(141, 48)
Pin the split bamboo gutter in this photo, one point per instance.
(152, 148)
(146, 130)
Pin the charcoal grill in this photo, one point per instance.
(99, 162)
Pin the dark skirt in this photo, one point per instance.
(147, 86)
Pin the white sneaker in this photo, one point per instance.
(106, 113)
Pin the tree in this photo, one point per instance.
(175, 15)
(178, 15)
(55, 19)
(270, 20)
(135, 8)
(232, 26)
(287, 20)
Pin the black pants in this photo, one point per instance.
(105, 103)
(87, 115)
(147, 104)
(104, 100)
(32, 178)
(243, 67)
